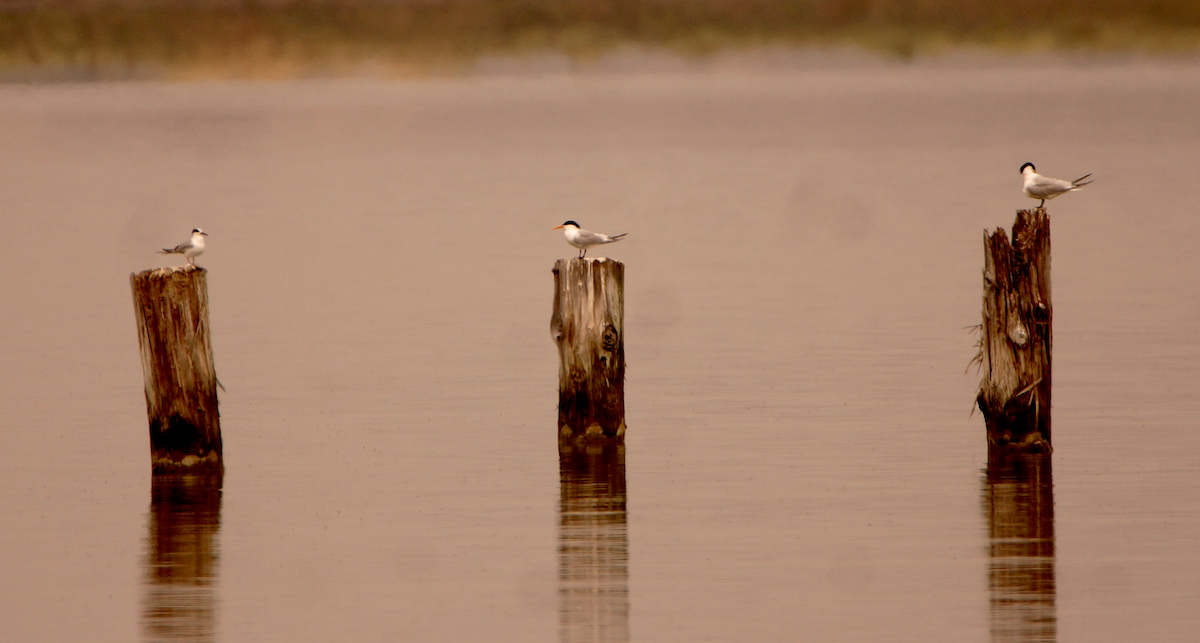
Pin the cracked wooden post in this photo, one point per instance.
(588, 325)
(171, 306)
(1015, 342)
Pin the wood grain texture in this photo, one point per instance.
(1015, 346)
(588, 325)
(171, 307)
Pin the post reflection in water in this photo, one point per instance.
(593, 545)
(179, 603)
(1018, 499)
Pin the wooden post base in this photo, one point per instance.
(588, 325)
(1015, 342)
(171, 306)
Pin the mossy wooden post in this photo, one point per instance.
(588, 325)
(171, 305)
(1014, 394)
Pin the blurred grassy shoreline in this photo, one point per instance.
(331, 37)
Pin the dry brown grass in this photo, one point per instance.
(334, 37)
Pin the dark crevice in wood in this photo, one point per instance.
(171, 306)
(588, 325)
(1015, 337)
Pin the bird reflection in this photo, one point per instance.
(181, 558)
(1018, 499)
(593, 545)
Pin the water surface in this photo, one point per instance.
(803, 259)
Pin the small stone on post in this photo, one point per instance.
(171, 306)
(1015, 341)
(588, 325)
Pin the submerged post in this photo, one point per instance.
(171, 306)
(1015, 342)
(588, 325)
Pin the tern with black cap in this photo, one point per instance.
(584, 239)
(1046, 188)
(189, 250)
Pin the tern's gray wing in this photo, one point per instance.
(1044, 187)
(179, 249)
(586, 238)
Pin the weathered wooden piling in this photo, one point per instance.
(171, 306)
(588, 324)
(1015, 338)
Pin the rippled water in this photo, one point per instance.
(803, 259)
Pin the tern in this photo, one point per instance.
(189, 250)
(1044, 187)
(584, 239)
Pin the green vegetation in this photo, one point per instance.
(333, 37)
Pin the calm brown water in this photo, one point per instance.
(804, 253)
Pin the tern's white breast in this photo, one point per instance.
(572, 235)
(197, 246)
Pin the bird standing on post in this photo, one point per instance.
(1044, 187)
(189, 250)
(584, 239)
